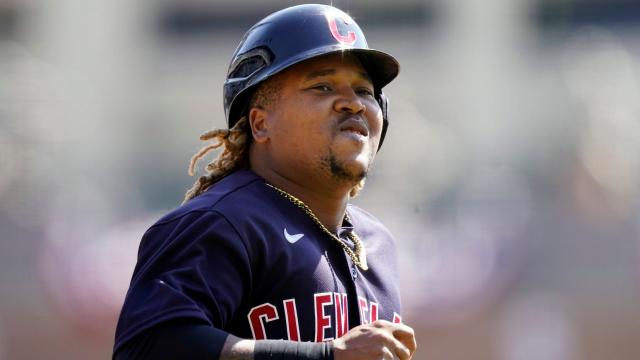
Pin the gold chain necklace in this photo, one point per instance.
(359, 256)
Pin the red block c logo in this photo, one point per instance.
(347, 39)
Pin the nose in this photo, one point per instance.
(349, 102)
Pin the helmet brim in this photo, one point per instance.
(381, 67)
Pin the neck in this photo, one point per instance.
(327, 201)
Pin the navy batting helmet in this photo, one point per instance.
(293, 35)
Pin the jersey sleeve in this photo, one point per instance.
(195, 267)
(174, 340)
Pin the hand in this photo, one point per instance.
(379, 340)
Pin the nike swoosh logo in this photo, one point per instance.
(292, 238)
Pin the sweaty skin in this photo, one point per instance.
(319, 138)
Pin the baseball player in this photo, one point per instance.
(266, 258)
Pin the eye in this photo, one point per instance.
(322, 88)
(364, 91)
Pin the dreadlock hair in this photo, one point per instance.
(234, 156)
(235, 143)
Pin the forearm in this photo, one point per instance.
(197, 341)
(175, 340)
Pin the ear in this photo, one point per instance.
(259, 125)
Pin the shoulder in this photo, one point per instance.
(237, 208)
(232, 197)
(366, 223)
(206, 216)
(233, 189)
(374, 234)
(380, 245)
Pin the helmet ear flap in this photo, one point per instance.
(247, 64)
(383, 101)
(241, 72)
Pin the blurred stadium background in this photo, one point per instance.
(510, 176)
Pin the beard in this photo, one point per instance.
(343, 173)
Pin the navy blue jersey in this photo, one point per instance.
(244, 259)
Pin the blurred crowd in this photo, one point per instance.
(510, 175)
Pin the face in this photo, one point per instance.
(325, 120)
